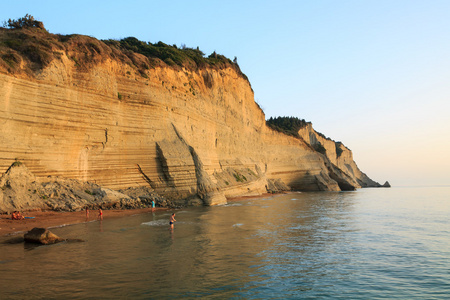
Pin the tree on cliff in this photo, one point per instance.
(25, 22)
(287, 125)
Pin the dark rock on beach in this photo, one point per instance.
(41, 236)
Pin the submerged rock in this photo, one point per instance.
(41, 236)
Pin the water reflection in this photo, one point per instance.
(216, 250)
(293, 245)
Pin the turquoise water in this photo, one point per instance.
(369, 244)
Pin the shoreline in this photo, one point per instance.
(49, 219)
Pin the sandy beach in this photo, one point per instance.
(48, 219)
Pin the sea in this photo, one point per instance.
(374, 243)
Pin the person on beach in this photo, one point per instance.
(172, 220)
(87, 213)
(153, 205)
(17, 216)
(100, 214)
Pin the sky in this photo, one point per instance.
(373, 74)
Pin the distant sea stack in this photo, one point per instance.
(126, 113)
(386, 184)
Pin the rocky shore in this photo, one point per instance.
(21, 191)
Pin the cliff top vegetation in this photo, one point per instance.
(287, 125)
(291, 126)
(26, 46)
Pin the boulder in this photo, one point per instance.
(41, 236)
(113, 196)
(19, 190)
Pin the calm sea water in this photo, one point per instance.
(368, 244)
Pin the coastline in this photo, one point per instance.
(49, 219)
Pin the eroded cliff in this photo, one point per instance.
(88, 110)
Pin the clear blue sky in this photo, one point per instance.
(372, 74)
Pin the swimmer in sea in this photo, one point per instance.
(172, 220)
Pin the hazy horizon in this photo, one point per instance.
(371, 74)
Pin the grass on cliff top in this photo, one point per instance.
(26, 46)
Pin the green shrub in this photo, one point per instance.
(16, 163)
(251, 172)
(287, 125)
(10, 59)
(32, 42)
(338, 149)
(25, 22)
(320, 148)
(13, 43)
(239, 177)
(191, 58)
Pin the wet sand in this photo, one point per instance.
(48, 219)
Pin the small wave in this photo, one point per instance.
(238, 225)
(60, 226)
(157, 223)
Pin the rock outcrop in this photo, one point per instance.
(21, 190)
(192, 135)
(41, 236)
(340, 157)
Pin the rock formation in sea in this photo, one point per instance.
(386, 184)
(129, 115)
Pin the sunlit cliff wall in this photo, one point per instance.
(338, 155)
(189, 134)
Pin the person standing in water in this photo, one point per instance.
(100, 214)
(172, 220)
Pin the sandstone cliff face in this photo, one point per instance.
(338, 155)
(193, 136)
